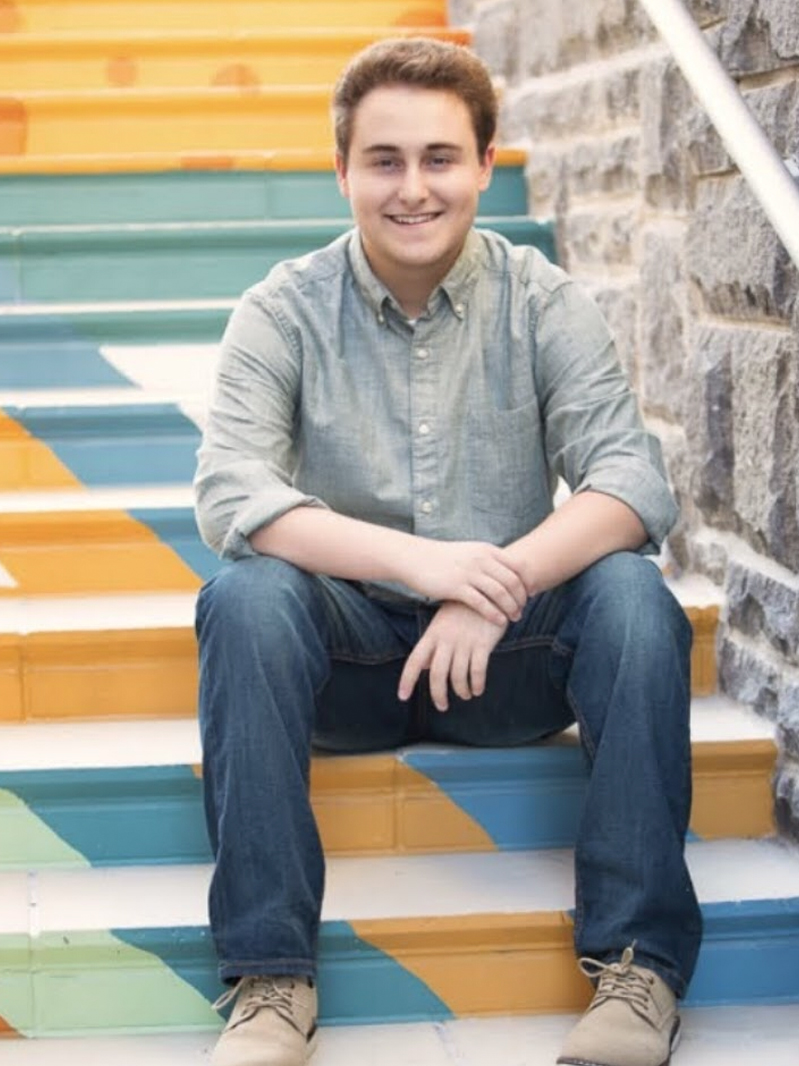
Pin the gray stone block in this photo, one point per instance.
(764, 603)
(496, 37)
(619, 305)
(757, 676)
(760, 36)
(786, 798)
(599, 239)
(738, 264)
(665, 165)
(662, 323)
(709, 426)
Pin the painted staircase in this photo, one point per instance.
(155, 159)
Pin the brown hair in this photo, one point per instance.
(426, 63)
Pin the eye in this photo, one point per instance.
(439, 162)
(386, 162)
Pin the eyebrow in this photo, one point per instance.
(438, 147)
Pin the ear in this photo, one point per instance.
(487, 167)
(341, 175)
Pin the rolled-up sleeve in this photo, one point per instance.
(247, 455)
(595, 437)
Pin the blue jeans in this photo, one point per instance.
(289, 660)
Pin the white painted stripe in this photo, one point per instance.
(97, 499)
(124, 396)
(6, 580)
(718, 1036)
(53, 614)
(49, 310)
(399, 886)
(176, 742)
(165, 368)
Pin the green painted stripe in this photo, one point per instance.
(174, 263)
(27, 840)
(199, 196)
(203, 325)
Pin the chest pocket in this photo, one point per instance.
(506, 461)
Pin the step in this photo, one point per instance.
(186, 57)
(190, 260)
(711, 1036)
(262, 186)
(134, 655)
(406, 938)
(81, 16)
(122, 793)
(43, 332)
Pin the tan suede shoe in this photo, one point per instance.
(273, 1023)
(632, 1019)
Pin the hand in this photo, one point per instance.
(478, 575)
(455, 648)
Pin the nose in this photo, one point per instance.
(413, 189)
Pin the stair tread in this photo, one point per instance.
(175, 742)
(385, 888)
(712, 1036)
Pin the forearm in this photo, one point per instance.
(324, 542)
(582, 530)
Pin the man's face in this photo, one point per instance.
(413, 178)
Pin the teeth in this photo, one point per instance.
(412, 220)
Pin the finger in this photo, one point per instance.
(415, 663)
(475, 599)
(478, 669)
(496, 592)
(439, 677)
(510, 580)
(459, 674)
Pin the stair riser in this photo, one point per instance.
(173, 264)
(375, 970)
(221, 16)
(143, 673)
(409, 802)
(200, 196)
(174, 60)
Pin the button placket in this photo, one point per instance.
(424, 465)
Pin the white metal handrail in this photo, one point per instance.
(754, 154)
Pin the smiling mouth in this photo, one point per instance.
(415, 220)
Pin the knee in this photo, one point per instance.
(256, 594)
(627, 597)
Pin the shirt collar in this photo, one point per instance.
(457, 286)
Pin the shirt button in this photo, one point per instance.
(422, 353)
(427, 507)
(424, 428)
(381, 318)
(459, 309)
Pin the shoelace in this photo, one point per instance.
(262, 992)
(618, 980)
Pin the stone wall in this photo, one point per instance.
(654, 217)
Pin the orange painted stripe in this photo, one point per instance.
(149, 162)
(704, 678)
(88, 552)
(27, 463)
(149, 673)
(486, 964)
(740, 771)
(11, 701)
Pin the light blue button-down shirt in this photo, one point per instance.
(455, 426)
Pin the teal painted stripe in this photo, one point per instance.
(749, 954)
(358, 983)
(184, 262)
(200, 195)
(177, 527)
(22, 332)
(63, 362)
(124, 445)
(523, 798)
(113, 816)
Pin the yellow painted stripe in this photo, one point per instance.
(148, 162)
(11, 702)
(139, 673)
(44, 16)
(487, 963)
(149, 673)
(88, 552)
(27, 463)
(380, 805)
(102, 61)
(704, 620)
(732, 793)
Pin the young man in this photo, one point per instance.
(390, 417)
